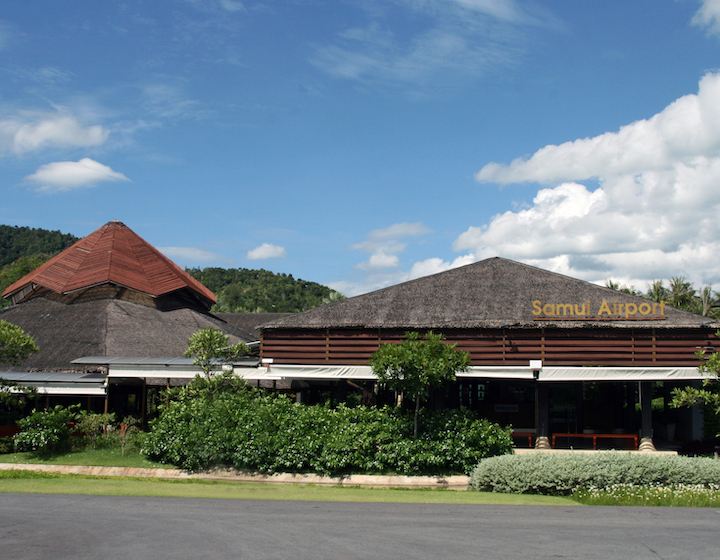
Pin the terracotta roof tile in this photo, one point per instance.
(112, 254)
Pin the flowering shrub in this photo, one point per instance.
(47, 431)
(690, 495)
(564, 473)
(216, 422)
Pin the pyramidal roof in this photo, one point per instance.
(113, 254)
(493, 293)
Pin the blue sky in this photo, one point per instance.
(363, 143)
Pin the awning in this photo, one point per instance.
(60, 384)
(542, 373)
(559, 374)
(312, 372)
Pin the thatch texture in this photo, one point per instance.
(492, 293)
(251, 322)
(109, 327)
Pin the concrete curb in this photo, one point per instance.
(456, 482)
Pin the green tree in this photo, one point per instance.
(11, 273)
(15, 345)
(210, 349)
(709, 392)
(681, 293)
(417, 364)
(657, 291)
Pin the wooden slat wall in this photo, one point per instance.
(580, 347)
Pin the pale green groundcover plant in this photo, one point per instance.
(564, 473)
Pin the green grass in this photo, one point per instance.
(88, 457)
(52, 483)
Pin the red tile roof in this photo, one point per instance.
(112, 254)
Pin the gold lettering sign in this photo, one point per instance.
(604, 310)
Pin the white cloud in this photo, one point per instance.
(32, 131)
(232, 6)
(653, 215)
(452, 38)
(63, 176)
(708, 16)
(686, 129)
(385, 244)
(266, 251)
(379, 261)
(191, 255)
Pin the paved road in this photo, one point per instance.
(35, 526)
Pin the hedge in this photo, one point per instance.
(234, 425)
(563, 473)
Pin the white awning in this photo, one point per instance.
(60, 383)
(559, 374)
(497, 372)
(543, 373)
(310, 372)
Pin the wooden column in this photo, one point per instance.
(542, 416)
(646, 432)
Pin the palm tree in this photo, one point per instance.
(657, 291)
(707, 302)
(681, 293)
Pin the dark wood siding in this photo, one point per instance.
(516, 347)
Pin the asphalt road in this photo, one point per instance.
(58, 527)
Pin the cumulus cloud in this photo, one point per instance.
(266, 251)
(708, 16)
(383, 268)
(649, 213)
(686, 129)
(386, 243)
(62, 176)
(30, 132)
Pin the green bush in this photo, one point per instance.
(563, 473)
(6, 445)
(46, 432)
(221, 421)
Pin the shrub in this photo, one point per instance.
(6, 445)
(563, 473)
(218, 421)
(46, 432)
(94, 427)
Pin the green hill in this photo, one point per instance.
(242, 290)
(238, 290)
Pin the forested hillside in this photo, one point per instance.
(238, 290)
(16, 242)
(241, 290)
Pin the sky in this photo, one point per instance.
(363, 143)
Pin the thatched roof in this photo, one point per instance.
(113, 254)
(251, 322)
(128, 324)
(492, 293)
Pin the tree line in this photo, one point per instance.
(678, 293)
(243, 290)
(238, 290)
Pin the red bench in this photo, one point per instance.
(596, 436)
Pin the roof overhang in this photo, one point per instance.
(531, 372)
(60, 384)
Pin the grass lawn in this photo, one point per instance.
(50, 483)
(88, 457)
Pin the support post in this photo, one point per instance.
(542, 416)
(646, 432)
